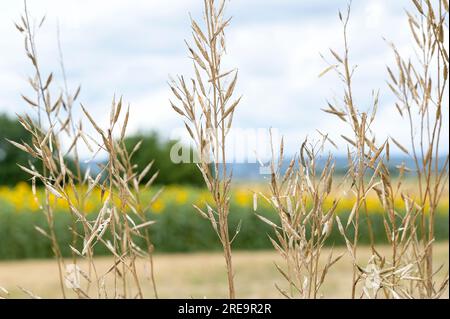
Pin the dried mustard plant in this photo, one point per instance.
(58, 169)
(420, 85)
(362, 153)
(405, 273)
(298, 195)
(207, 106)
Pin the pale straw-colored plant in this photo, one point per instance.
(407, 271)
(420, 85)
(122, 218)
(298, 195)
(207, 106)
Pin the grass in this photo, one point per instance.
(180, 276)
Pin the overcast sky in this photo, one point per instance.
(130, 48)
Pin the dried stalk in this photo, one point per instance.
(408, 271)
(362, 152)
(420, 87)
(123, 214)
(207, 107)
(298, 196)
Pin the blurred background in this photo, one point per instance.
(130, 49)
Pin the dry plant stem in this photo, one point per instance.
(78, 177)
(360, 149)
(141, 213)
(298, 196)
(208, 111)
(41, 95)
(359, 129)
(408, 271)
(213, 21)
(363, 155)
(360, 125)
(123, 187)
(418, 92)
(123, 214)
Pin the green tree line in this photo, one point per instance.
(152, 147)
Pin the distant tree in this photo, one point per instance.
(153, 147)
(10, 155)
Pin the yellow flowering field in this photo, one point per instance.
(178, 227)
(20, 198)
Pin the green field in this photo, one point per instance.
(178, 227)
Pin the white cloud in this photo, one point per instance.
(131, 47)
